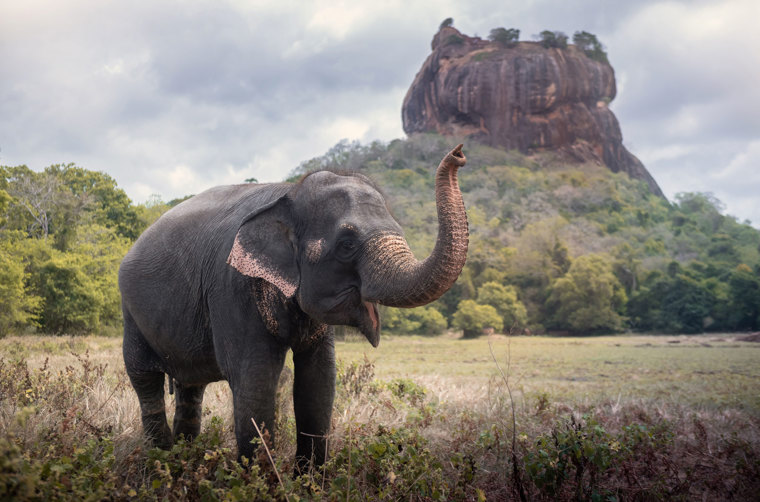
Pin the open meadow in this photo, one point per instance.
(418, 418)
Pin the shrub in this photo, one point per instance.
(472, 318)
(504, 300)
(591, 47)
(506, 37)
(418, 321)
(589, 298)
(553, 39)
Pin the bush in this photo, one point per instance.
(589, 298)
(71, 300)
(19, 306)
(506, 37)
(504, 300)
(591, 47)
(472, 318)
(553, 39)
(417, 321)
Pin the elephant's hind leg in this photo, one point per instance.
(148, 382)
(150, 392)
(187, 417)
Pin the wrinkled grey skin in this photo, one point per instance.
(225, 283)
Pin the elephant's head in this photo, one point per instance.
(332, 244)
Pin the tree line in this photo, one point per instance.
(63, 233)
(553, 246)
(587, 42)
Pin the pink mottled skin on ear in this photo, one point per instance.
(314, 250)
(245, 263)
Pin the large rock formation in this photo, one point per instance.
(524, 97)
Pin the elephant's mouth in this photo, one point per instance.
(361, 314)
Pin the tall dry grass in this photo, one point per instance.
(70, 429)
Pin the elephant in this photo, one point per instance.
(221, 286)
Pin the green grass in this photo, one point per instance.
(705, 371)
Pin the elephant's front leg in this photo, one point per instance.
(313, 395)
(253, 395)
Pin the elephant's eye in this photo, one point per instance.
(346, 248)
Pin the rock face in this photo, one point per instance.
(524, 97)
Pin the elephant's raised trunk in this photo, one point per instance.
(394, 277)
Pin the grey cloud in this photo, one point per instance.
(140, 88)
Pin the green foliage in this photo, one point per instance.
(573, 459)
(19, 306)
(386, 464)
(454, 40)
(473, 318)
(5, 201)
(590, 45)
(419, 321)
(553, 39)
(531, 218)
(589, 298)
(71, 300)
(504, 300)
(78, 226)
(506, 37)
(446, 23)
(674, 303)
(744, 309)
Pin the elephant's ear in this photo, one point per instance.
(264, 247)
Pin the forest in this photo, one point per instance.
(555, 246)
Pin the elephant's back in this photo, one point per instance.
(175, 249)
(205, 218)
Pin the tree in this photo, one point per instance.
(34, 197)
(589, 298)
(99, 251)
(744, 307)
(553, 39)
(472, 318)
(671, 303)
(97, 193)
(504, 300)
(71, 300)
(416, 321)
(506, 37)
(590, 45)
(446, 23)
(18, 306)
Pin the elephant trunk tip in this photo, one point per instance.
(455, 158)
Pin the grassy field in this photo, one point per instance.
(592, 418)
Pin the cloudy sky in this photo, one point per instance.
(171, 97)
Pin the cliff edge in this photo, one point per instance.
(523, 97)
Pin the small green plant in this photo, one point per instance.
(575, 453)
(386, 464)
(553, 39)
(590, 45)
(354, 377)
(454, 40)
(506, 37)
(407, 390)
